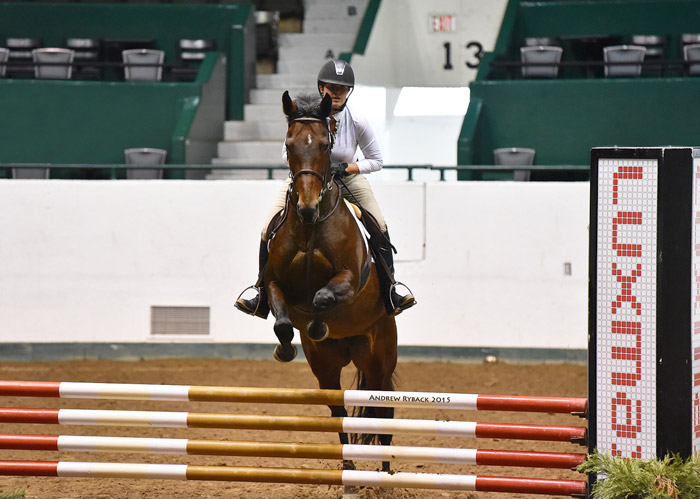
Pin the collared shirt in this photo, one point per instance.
(353, 130)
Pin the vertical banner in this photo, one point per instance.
(695, 346)
(626, 306)
(644, 302)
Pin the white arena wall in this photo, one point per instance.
(83, 262)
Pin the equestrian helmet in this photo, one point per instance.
(338, 72)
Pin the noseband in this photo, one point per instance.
(327, 185)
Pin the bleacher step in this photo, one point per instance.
(272, 95)
(256, 130)
(263, 112)
(269, 151)
(328, 25)
(307, 64)
(285, 81)
(311, 40)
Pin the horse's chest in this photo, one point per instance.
(305, 262)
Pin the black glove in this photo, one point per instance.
(339, 170)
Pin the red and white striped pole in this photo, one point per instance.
(479, 457)
(362, 398)
(301, 476)
(292, 423)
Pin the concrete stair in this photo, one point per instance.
(330, 27)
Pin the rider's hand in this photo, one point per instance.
(339, 170)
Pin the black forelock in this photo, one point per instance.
(308, 106)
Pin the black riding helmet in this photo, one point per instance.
(338, 72)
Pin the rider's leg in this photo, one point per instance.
(380, 243)
(258, 305)
(396, 303)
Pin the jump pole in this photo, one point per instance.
(352, 398)
(293, 423)
(478, 457)
(299, 476)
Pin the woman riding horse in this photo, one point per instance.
(350, 130)
(320, 278)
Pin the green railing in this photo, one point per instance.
(116, 171)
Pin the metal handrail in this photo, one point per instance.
(113, 167)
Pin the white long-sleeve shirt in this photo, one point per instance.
(353, 130)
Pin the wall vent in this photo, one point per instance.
(180, 320)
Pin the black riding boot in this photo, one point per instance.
(258, 304)
(394, 302)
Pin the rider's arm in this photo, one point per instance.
(370, 149)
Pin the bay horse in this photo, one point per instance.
(320, 278)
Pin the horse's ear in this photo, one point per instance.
(326, 105)
(288, 105)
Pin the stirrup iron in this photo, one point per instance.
(392, 290)
(254, 312)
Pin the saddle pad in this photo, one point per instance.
(357, 214)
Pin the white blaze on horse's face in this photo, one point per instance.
(308, 139)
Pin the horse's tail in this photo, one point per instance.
(369, 412)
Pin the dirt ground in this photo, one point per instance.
(503, 379)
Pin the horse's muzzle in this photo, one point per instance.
(308, 213)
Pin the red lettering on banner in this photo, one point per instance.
(635, 455)
(626, 218)
(626, 293)
(625, 172)
(629, 426)
(625, 412)
(696, 414)
(626, 353)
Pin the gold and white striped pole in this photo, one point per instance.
(353, 398)
(379, 426)
(71, 443)
(300, 476)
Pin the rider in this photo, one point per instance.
(336, 78)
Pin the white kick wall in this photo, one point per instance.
(83, 261)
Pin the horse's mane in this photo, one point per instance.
(308, 106)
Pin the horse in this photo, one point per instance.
(320, 278)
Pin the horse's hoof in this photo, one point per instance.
(323, 299)
(317, 330)
(285, 353)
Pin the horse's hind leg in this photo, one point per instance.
(285, 351)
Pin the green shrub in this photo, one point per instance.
(623, 478)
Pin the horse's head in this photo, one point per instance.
(308, 151)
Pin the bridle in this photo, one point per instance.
(327, 184)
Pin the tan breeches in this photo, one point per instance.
(359, 186)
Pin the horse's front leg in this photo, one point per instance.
(285, 351)
(339, 290)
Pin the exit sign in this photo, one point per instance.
(443, 24)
